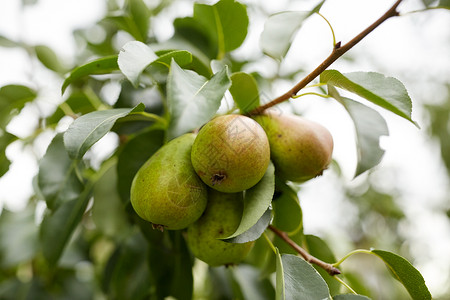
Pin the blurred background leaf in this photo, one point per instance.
(18, 237)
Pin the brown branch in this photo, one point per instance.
(308, 257)
(337, 52)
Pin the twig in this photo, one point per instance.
(337, 52)
(308, 257)
(345, 284)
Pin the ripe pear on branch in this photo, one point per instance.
(300, 149)
(221, 218)
(166, 191)
(231, 153)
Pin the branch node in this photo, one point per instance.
(337, 46)
(334, 271)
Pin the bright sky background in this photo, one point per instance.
(413, 49)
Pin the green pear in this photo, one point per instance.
(231, 153)
(221, 218)
(300, 149)
(166, 191)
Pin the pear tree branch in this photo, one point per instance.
(308, 257)
(337, 52)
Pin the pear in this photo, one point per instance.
(300, 149)
(166, 190)
(221, 219)
(231, 153)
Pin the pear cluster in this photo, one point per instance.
(197, 181)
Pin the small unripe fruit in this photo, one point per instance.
(221, 219)
(231, 153)
(166, 191)
(300, 149)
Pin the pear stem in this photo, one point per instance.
(306, 256)
(337, 52)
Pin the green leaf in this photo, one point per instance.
(444, 4)
(279, 31)
(126, 274)
(386, 92)
(251, 284)
(133, 155)
(318, 248)
(5, 42)
(256, 201)
(12, 99)
(350, 297)
(135, 20)
(108, 212)
(5, 140)
(428, 3)
(432, 4)
(58, 226)
(161, 266)
(439, 113)
(255, 231)
(279, 278)
(104, 65)
(409, 276)
(244, 90)
(49, 59)
(138, 122)
(86, 130)
(192, 99)
(140, 18)
(287, 212)
(57, 179)
(182, 285)
(369, 126)
(134, 57)
(220, 284)
(181, 57)
(170, 264)
(192, 36)
(225, 22)
(317, 8)
(18, 236)
(301, 280)
(11, 287)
